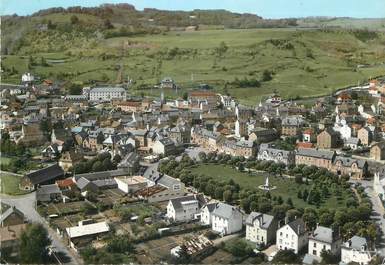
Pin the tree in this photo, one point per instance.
(74, 19)
(120, 244)
(75, 89)
(266, 76)
(222, 48)
(285, 256)
(227, 195)
(185, 96)
(97, 166)
(34, 242)
(43, 61)
(328, 257)
(239, 248)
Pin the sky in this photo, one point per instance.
(264, 8)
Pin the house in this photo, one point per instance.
(268, 152)
(365, 135)
(167, 82)
(377, 151)
(322, 239)
(261, 228)
(238, 148)
(197, 97)
(131, 184)
(107, 93)
(31, 135)
(85, 231)
(327, 139)
(292, 236)
(52, 151)
(262, 135)
(355, 250)
(129, 106)
(226, 219)
(10, 239)
(292, 125)
(180, 134)
(12, 216)
(130, 163)
(61, 136)
(43, 176)
(206, 213)
(315, 157)
(47, 193)
(184, 209)
(353, 143)
(355, 168)
(65, 184)
(70, 158)
(164, 146)
(240, 128)
(307, 136)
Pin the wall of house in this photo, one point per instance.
(351, 255)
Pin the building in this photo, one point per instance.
(47, 193)
(327, 139)
(269, 153)
(31, 135)
(197, 97)
(11, 216)
(355, 250)
(129, 106)
(292, 236)
(43, 176)
(261, 228)
(292, 125)
(240, 128)
(70, 158)
(107, 93)
(315, 157)
(206, 213)
(184, 209)
(164, 146)
(226, 219)
(352, 143)
(167, 82)
(354, 168)
(377, 151)
(322, 239)
(365, 135)
(85, 231)
(238, 148)
(262, 135)
(131, 184)
(10, 240)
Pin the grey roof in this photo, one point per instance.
(356, 242)
(48, 189)
(168, 181)
(273, 152)
(352, 140)
(167, 142)
(177, 202)
(293, 121)
(323, 234)
(107, 89)
(325, 154)
(101, 175)
(129, 160)
(4, 215)
(104, 182)
(226, 211)
(82, 182)
(348, 161)
(211, 206)
(46, 174)
(298, 226)
(265, 220)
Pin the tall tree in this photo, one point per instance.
(34, 242)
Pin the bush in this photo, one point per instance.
(239, 248)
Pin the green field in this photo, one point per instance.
(286, 188)
(304, 62)
(10, 185)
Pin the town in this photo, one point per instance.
(106, 176)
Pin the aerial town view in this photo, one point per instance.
(192, 132)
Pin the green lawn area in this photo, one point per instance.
(10, 185)
(286, 188)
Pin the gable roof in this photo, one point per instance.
(4, 215)
(45, 174)
(323, 234)
(325, 154)
(265, 220)
(47, 189)
(298, 226)
(226, 211)
(177, 203)
(86, 230)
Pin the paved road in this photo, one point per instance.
(378, 212)
(26, 204)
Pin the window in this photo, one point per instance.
(315, 244)
(315, 252)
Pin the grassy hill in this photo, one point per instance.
(301, 62)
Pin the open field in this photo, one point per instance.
(10, 185)
(304, 62)
(286, 188)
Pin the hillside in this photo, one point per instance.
(245, 62)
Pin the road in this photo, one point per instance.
(26, 204)
(378, 212)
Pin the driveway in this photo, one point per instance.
(26, 204)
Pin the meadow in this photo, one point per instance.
(303, 62)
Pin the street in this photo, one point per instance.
(26, 204)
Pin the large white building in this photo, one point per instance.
(226, 219)
(292, 236)
(261, 228)
(184, 209)
(322, 239)
(206, 213)
(355, 250)
(107, 93)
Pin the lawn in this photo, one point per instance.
(194, 60)
(10, 185)
(286, 188)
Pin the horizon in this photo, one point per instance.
(264, 8)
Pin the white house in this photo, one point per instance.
(107, 93)
(184, 209)
(164, 146)
(322, 239)
(261, 228)
(206, 213)
(226, 219)
(27, 78)
(292, 236)
(355, 250)
(131, 184)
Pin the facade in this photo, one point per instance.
(292, 125)
(164, 146)
(226, 219)
(261, 228)
(354, 168)
(43, 176)
(184, 209)
(355, 250)
(327, 139)
(365, 136)
(314, 157)
(262, 135)
(240, 128)
(377, 151)
(269, 153)
(131, 184)
(107, 93)
(206, 213)
(292, 236)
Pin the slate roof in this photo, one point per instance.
(325, 154)
(356, 242)
(298, 226)
(107, 89)
(177, 203)
(264, 219)
(225, 211)
(211, 206)
(323, 234)
(45, 174)
(101, 175)
(4, 215)
(348, 161)
(47, 189)
(273, 152)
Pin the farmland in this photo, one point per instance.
(302, 62)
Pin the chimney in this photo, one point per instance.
(286, 220)
(298, 229)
